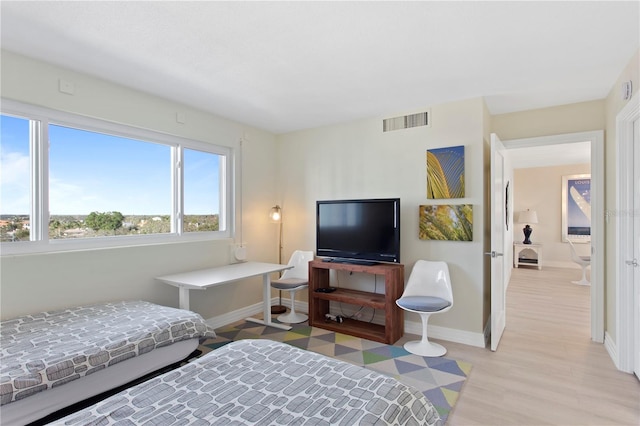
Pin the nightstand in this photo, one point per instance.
(523, 255)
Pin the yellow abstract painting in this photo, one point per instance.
(445, 173)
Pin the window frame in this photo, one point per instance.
(39, 120)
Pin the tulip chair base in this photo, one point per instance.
(292, 318)
(425, 348)
(584, 280)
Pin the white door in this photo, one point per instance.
(627, 257)
(636, 245)
(498, 285)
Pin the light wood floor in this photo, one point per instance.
(547, 371)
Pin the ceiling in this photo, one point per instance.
(550, 155)
(285, 66)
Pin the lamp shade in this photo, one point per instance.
(528, 216)
(275, 214)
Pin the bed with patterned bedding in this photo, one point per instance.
(262, 382)
(53, 359)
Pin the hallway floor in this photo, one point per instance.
(547, 371)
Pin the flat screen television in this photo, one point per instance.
(358, 231)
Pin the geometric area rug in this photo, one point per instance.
(439, 379)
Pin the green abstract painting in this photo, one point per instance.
(446, 222)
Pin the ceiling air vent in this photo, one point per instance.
(406, 122)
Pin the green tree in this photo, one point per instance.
(55, 225)
(21, 234)
(109, 221)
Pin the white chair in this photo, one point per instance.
(293, 280)
(428, 292)
(583, 261)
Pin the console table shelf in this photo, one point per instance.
(520, 259)
(355, 297)
(388, 333)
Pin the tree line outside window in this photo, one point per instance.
(84, 180)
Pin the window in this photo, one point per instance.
(100, 184)
(201, 191)
(15, 219)
(103, 185)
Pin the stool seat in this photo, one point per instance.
(288, 283)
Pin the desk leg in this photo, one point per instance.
(266, 298)
(183, 297)
(266, 303)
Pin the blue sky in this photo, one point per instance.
(95, 172)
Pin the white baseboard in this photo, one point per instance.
(612, 349)
(487, 332)
(445, 333)
(235, 316)
(410, 327)
(255, 309)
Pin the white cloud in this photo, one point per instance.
(14, 183)
(71, 198)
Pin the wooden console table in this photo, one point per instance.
(393, 327)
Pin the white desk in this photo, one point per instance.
(205, 278)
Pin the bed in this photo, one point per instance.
(51, 360)
(262, 382)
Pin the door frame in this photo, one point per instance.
(598, 242)
(497, 251)
(624, 309)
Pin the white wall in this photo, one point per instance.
(540, 189)
(358, 160)
(31, 283)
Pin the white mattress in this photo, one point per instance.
(42, 404)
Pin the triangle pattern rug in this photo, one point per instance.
(439, 379)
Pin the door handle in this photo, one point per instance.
(633, 263)
(493, 254)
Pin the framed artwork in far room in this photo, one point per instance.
(576, 208)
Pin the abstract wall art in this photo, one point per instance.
(576, 208)
(445, 173)
(446, 222)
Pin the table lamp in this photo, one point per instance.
(527, 217)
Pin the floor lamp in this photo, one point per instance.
(275, 214)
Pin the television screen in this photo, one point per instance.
(359, 231)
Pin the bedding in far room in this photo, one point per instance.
(263, 382)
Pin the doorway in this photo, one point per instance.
(596, 142)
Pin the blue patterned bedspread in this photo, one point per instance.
(49, 349)
(261, 382)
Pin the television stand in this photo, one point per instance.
(351, 261)
(393, 328)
